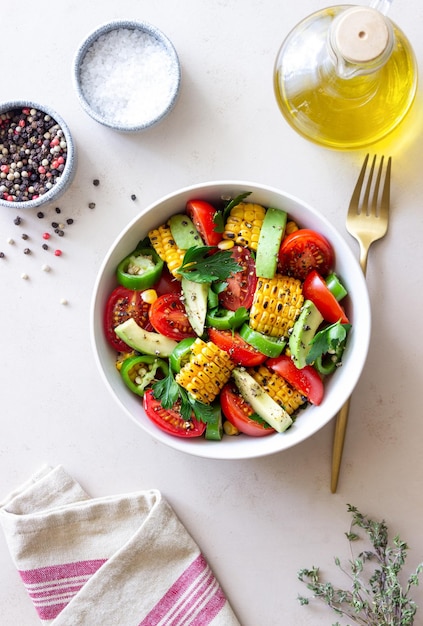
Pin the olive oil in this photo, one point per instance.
(341, 112)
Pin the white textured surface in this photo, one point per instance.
(257, 521)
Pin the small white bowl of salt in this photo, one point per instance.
(127, 75)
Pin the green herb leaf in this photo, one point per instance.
(237, 200)
(202, 267)
(166, 390)
(328, 340)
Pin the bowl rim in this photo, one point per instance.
(346, 377)
(68, 173)
(131, 25)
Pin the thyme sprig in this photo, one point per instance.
(377, 596)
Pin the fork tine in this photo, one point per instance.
(365, 204)
(375, 196)
(355, 198)
(386, 192)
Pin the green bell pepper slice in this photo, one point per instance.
(139, 372)
(140, 270)
(270, 346)
(223, 319)
(214, 428)
(181, 354)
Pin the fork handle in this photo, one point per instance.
(338, 443)
(364, 253)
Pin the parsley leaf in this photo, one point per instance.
(327, 340)
(202, 267)
(166, 390)
(237, 200)
(170, 393)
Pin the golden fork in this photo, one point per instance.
(367, 221)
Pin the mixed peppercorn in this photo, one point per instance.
(33, 153)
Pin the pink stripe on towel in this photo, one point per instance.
(52, 587)
(195, 598)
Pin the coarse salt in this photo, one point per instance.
(128, 78)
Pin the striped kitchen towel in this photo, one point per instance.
(122, 560)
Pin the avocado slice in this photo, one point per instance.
(260, 400)
(271, 233)
(184, 233)
(303, 332)
(195, 301)
(143, 340)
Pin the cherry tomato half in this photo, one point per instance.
(168, 317)
(167, 283)
(170, 420)
(306, 380)
(316, 290)
(242, 285)
(239, 350)
(238, 412)
(122, 304)
(202, 214)
(304, 250)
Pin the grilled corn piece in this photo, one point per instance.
(277, 304)
(278, 389)
(165, 246)
(291, 227)
(207, 371)
(244, 224)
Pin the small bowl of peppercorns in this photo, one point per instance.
(37, 155)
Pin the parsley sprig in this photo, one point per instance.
(377, 597)
(170, 393)
(206, 264)
(331, 339)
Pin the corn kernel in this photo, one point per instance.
(149, 296)
(230, 429)
(225, 244)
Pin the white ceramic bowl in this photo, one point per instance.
(337, 389)
(127, 75)
(62, 181)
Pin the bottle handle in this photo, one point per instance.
(382, 6)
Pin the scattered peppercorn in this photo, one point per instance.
(54, 225)
(2, 255)
(25, 236)
(17, 220)
(46, 235)
(96, 182)
(44, 246)
(69, 221)
(133, 197)
(59, 232)
(91, 205)
(57, 253)
(27, 251)
(57, 210)
(40, 214)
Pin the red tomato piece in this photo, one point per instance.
(242, 285)
(203, 215)
(316, 290)
(122, 304)
(167, 283)
(168, 317)
(170, 420)
(238, 412)
(306, 380)
(239, 350)
(304, 250)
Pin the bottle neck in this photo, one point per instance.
(360, 41)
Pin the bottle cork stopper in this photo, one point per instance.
(361, 35)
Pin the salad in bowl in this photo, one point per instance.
(234, 326)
